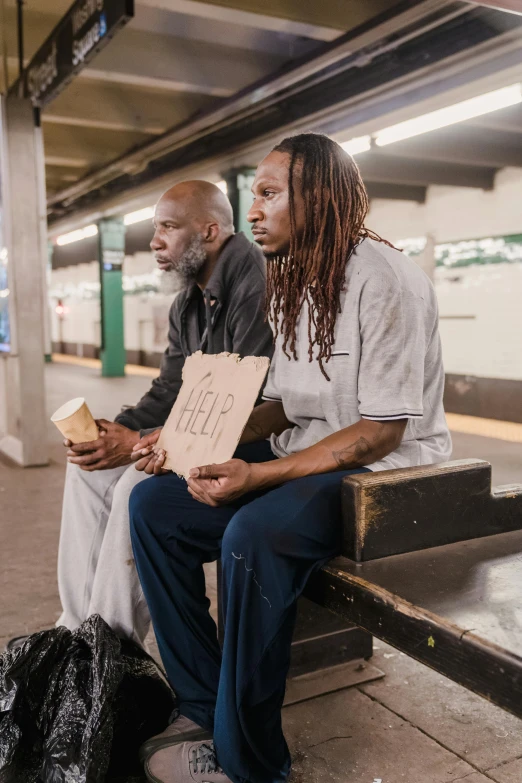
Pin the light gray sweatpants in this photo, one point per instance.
(96, 570)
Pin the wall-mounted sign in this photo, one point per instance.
(82, 32)
(112, 260)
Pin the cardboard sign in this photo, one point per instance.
(218, 395)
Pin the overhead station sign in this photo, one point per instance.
(78, 37)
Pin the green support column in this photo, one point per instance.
(111, 252)
(239, 183)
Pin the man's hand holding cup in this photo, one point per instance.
(112, 449)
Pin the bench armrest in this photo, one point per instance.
(394, 511)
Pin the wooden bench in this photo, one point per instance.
(432, 564)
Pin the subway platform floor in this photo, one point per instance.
(413, 726)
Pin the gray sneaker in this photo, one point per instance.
(186, 762)
(181, 729)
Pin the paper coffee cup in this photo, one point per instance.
(75, 421)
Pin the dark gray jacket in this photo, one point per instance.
(235, 323)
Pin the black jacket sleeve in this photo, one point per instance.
(154, 407)
(250, 331)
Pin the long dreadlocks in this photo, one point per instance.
(335, 206)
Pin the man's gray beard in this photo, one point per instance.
(187, 267)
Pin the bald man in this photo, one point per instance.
(221, 308)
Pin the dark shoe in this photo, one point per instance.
(180, 729)
(16, 643)
(186, 762)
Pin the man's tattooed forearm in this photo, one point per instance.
(356, 455)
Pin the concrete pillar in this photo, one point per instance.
(111, 252)
(239, 183)
(44, 244)
(23, 415)
(426, 259)
(48, 339)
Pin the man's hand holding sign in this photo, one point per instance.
(147, 456)
(216, 485)
(208, 417)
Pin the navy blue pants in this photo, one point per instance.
(269, 544)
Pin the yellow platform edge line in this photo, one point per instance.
(82, 361)
(467, 425)
(487, 428)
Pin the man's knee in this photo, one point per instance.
(249, 531)
(271, 529)
(125, 485)
(154, 507)
(74, 475)
(95, 481)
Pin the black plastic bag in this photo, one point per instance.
(75, 707)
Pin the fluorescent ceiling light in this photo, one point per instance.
(466, 110)
(136, 217)
(356, 145)
(90, 231)
(75, 236)
(222, 185)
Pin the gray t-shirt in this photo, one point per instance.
(386, 363)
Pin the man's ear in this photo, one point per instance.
(211, 232)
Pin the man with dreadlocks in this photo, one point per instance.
(356, 384)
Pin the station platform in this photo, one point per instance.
(413, 726)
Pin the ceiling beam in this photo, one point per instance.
(513, 6)
(132, 77)
(88, 122)
(461, 145)
(503, 120)
(204, 28)
(91, 145)
(175, 64)
(387, 190)
(121, 108)
(334, 14)
(64, 161)
(55, 172)
(247, 18)
(52, 182)
(378, 167)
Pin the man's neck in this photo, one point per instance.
(208, 267)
